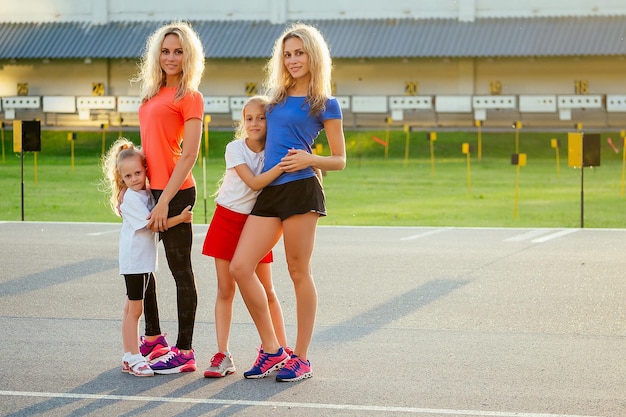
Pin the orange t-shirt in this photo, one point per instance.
(162, 126)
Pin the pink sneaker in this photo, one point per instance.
(266, 363)
(295, 370)
(152, 351)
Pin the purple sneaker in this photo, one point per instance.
(175, 362)
(152, 351)
(295, 370)
(267, 363)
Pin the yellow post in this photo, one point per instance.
(623, 135)
(516, 191)
(479, 125)
(407, 130)
(555, 144)
(71, 136)
(466, 150)
(207, 120)
(388, 120)
(432, 137)
(2, 133)
(205, 156)
(120, 120)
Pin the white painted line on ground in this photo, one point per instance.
(555, 235)
(529, 234)
(320, 406)
(108, 232)
(428, 233)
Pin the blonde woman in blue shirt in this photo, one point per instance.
(299, 86)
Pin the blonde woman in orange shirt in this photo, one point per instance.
(171, 114)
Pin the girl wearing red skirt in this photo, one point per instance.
(236, 196)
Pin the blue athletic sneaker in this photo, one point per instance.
(295, 370)
(266, 363)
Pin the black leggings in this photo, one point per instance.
(177, 242)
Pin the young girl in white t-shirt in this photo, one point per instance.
(124, 169)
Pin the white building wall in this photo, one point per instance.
(101, 11)
(453, 77)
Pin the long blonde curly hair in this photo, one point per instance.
(112, 182)
(150, 74)
(278, 80)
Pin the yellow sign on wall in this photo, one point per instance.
(251, 89)
(97, 89)
(411, 88)
(581, 86)
(22, 89)
(495, 87)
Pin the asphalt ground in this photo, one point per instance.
(411, 321)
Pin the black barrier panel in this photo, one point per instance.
(31, 136)
(591, 150)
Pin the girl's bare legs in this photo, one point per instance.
(299, 239)
(130, 325)
(223, 304)
(264, 272)
(258, 237)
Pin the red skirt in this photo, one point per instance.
(223, 234)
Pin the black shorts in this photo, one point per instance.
(136, 285)
(295, 197)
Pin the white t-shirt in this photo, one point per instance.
(138, 245)
(234, 194)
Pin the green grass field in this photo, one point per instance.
(406, 189)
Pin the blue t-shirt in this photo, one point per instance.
(289, 126)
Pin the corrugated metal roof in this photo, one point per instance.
(355, 38)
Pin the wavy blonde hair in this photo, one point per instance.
(152, 77)
(278, 80)
(112, 182)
